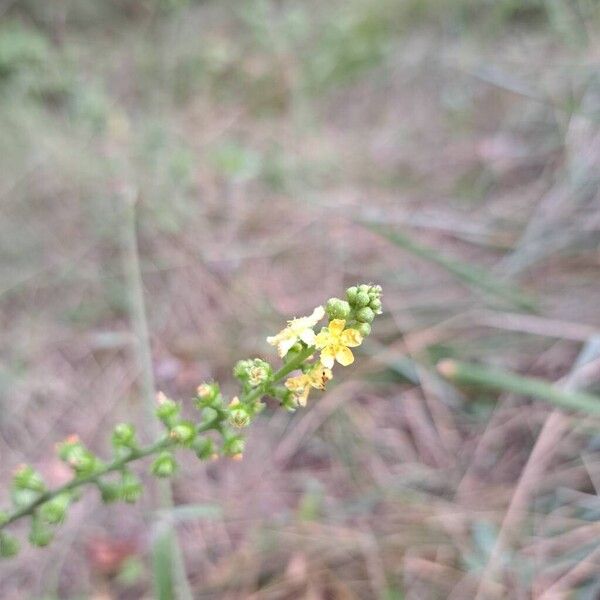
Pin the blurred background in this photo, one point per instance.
(280, 151)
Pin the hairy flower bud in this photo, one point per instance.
(79, 458)
(55, 510)
(183, 433)
(206, 394)
(26, 478)
(167, 410)
(233, 446)
(252, 371)
(351, 294)
(337, 309)
(364, 329)
(40, 535)
(131, 487)
(362, 299)
(203, 447)
(365, 315)
(123, 436)
(375, 304)
(164, 465)
(238, 414)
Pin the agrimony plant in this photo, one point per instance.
(308, 361)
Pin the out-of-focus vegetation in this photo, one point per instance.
(281, 151)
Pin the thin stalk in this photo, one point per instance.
(77, 482)
(138, 453)
(144, 357)
(494, 379)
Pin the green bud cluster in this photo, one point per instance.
(362, 304)
(252, 372)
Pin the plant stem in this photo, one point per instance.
(287, 368)
(139, 453)
(485, 377)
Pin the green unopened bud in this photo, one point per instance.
(130, 488)
(252, 371)
(337, 309)
(364, 329)
(363, 287)
(9, 545)
(259, 372)
(123, 436)
(26, 478)
(109, 491)
(375, 304)
(183, 433)
(206, 394)
(351, 294)
(164, 465)
(365, 315)
(79, 458)
(362, 299)
(40, 535)
(55, 510)
(204, 448)
(167, 410)
(233, 446)
(238, 414)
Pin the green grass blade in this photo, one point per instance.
(473, 276)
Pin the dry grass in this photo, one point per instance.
(261, 142)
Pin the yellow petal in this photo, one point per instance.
(328, 356)
(351, 338)
(322, 339)
(344, 356)
(308, 337)
(336, 327)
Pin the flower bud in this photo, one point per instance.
(337, 309)
(167, 410)
(364, 329)
(233, 446)
(362, 299)
(40, 535)
(238, 414)
(365, 315)
(375, 304)
(9, 545)
(123, 436)
(55, 510)
(363, 287)
(183, 433)
(206, 394)
(203, 447)
(259, 372)
(252, 371)
(79, 458)
(109, 491)
(164, 465)
(131, 487)
(26, 478)
(351, 294)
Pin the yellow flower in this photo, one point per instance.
(297, 329)
(335, 343)
(300, 385)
